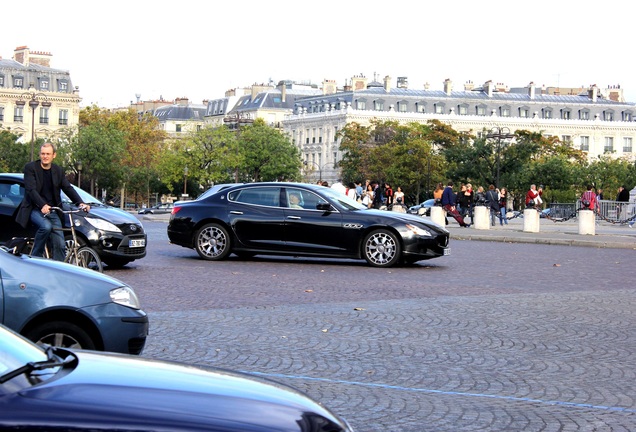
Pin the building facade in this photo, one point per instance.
(595, 121)
(36, 101)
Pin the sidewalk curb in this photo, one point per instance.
(546, 241)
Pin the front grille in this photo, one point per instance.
(136, 345)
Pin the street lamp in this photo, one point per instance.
(185, 180)
(238, 119)
(34, 101)
(320, 167)
(78, 164)
(499, 133)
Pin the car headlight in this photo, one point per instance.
(125, 296)
(415, 230)
(102, 224)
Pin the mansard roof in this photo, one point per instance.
(180, 112)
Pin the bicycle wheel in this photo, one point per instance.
(87, 258)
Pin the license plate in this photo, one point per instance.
(137, 243)
(446, 251)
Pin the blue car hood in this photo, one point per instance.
(137, 394)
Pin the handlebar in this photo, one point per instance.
(68, 211)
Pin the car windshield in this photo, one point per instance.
(342, 200)
(15, 351)
(85, 196)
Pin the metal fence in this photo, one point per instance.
(615, 211)
(610, 211)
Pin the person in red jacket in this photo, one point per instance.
(533, 197)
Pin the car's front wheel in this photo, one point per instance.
(212, 242)
(381, 248)
(61, 334)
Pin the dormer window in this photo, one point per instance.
(43, 83)
(62, 86)
(1, 80)
(18, 82)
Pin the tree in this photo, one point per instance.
(13, 155)
(267, 155)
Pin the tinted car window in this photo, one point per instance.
(11, 194)
(306, 199)
(265, 196)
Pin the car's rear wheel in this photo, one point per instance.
(381, 248)
(61, 334)
(212, 242)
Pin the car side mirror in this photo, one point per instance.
(323, 206)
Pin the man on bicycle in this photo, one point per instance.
(43, 183)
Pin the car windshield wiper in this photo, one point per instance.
(51, 362)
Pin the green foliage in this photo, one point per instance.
(13, 155)
(267, 155)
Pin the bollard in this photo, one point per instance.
(530, 220)
(438, 215)
(587, 222)
(481, 217)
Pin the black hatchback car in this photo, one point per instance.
(117, 236)
(301, 220)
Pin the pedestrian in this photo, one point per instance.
(388, 194)
(480, 196)
(588, 199)
(533, 197)
(367, 196)
(492, 198)
(470, 200)
(351, 191)
(622, 199)
(503, 202)
(448, 202)
(359, 191)
(399, 196)
(43, 183)
(378, 196)
(462, 201)
(339, 187)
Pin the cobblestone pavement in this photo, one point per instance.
(479, 341)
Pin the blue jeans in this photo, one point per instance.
(49, 229)
(502, 218)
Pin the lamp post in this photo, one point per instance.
(320, 167)
(78, 164)
(499, 133)
(237, 119)
(185, 180)
(34, 101)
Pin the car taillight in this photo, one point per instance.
(175, 210)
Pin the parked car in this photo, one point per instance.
(61, 304)
(422, 209)
(258, 218)
(117, 236)
(162, 208)
(61, 389)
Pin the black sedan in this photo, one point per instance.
(44, 389)
(162, 208)
(301, 220)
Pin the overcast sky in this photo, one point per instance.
(199, 49)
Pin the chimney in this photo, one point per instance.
(403, 82)
(329, 87)
(531, 90)
(26, 57)
(469, 86)
(387, 84)
(593, 93)
(282, 86)
(359, 82)
(488, 87)
(426, 86)
(448, 86)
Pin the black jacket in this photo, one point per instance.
(33, 183)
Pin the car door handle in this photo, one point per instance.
(294, 217)
(236, 212)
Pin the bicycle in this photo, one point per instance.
(81, 256)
